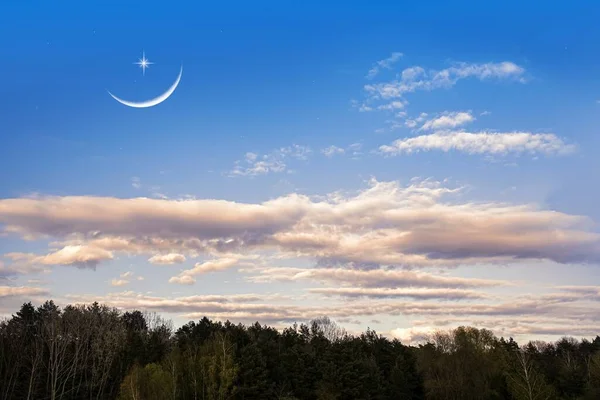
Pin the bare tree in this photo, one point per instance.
(57, 341)
(328, 328)
(524, 380)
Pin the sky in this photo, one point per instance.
(407, 167)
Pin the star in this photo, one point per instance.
(144, 63)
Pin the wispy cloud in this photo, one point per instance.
(386, 63)
(332, 151)
(509, 318)
(417, 78)
(353, 149)
(187, 277)
(21, 291)
(136, 182)
(119, 282)
(125, 278)
(413, 293)
(493, 143)
(374, 278)
(274, 162)
(448, 120)
(392, 106)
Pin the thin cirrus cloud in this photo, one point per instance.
(386, 63)
(418, 78)
(386, 224)
(493, 143)
(353, 149)
(273, 162)
(332, 151)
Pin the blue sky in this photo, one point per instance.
(379, 162)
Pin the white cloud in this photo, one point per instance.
(384, 64)
(332, 150)
(412, 123)
(417, 78)
(394, 105)
(83, 256)
(482, 143)
(274, 162)
(183, 280)
(414, 335)
(136, 183)
(203, 268)
(167, 259)
(353, 149)
(448, 120)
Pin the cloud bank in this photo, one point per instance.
(386, 224)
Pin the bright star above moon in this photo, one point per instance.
(144, 63)
(152, 102)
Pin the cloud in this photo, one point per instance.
(413, 293)
(274, 162)
(384, 64)
(332, 150)
(412, 123)
(183, 280)
(417, 225)
(352, 149)
(482, 143)
(125, 279)
(417, 78)
(515, 317)
(18, 291)
(374, 278)
(167, 259)
(119, 282)
(413, 335)
(394, 105)
(136, 182)
(186, 277)
(448, 120)
(82, 256)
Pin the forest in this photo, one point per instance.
(97, 352)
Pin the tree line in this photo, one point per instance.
(97, 352)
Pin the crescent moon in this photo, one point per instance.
(152, 102)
